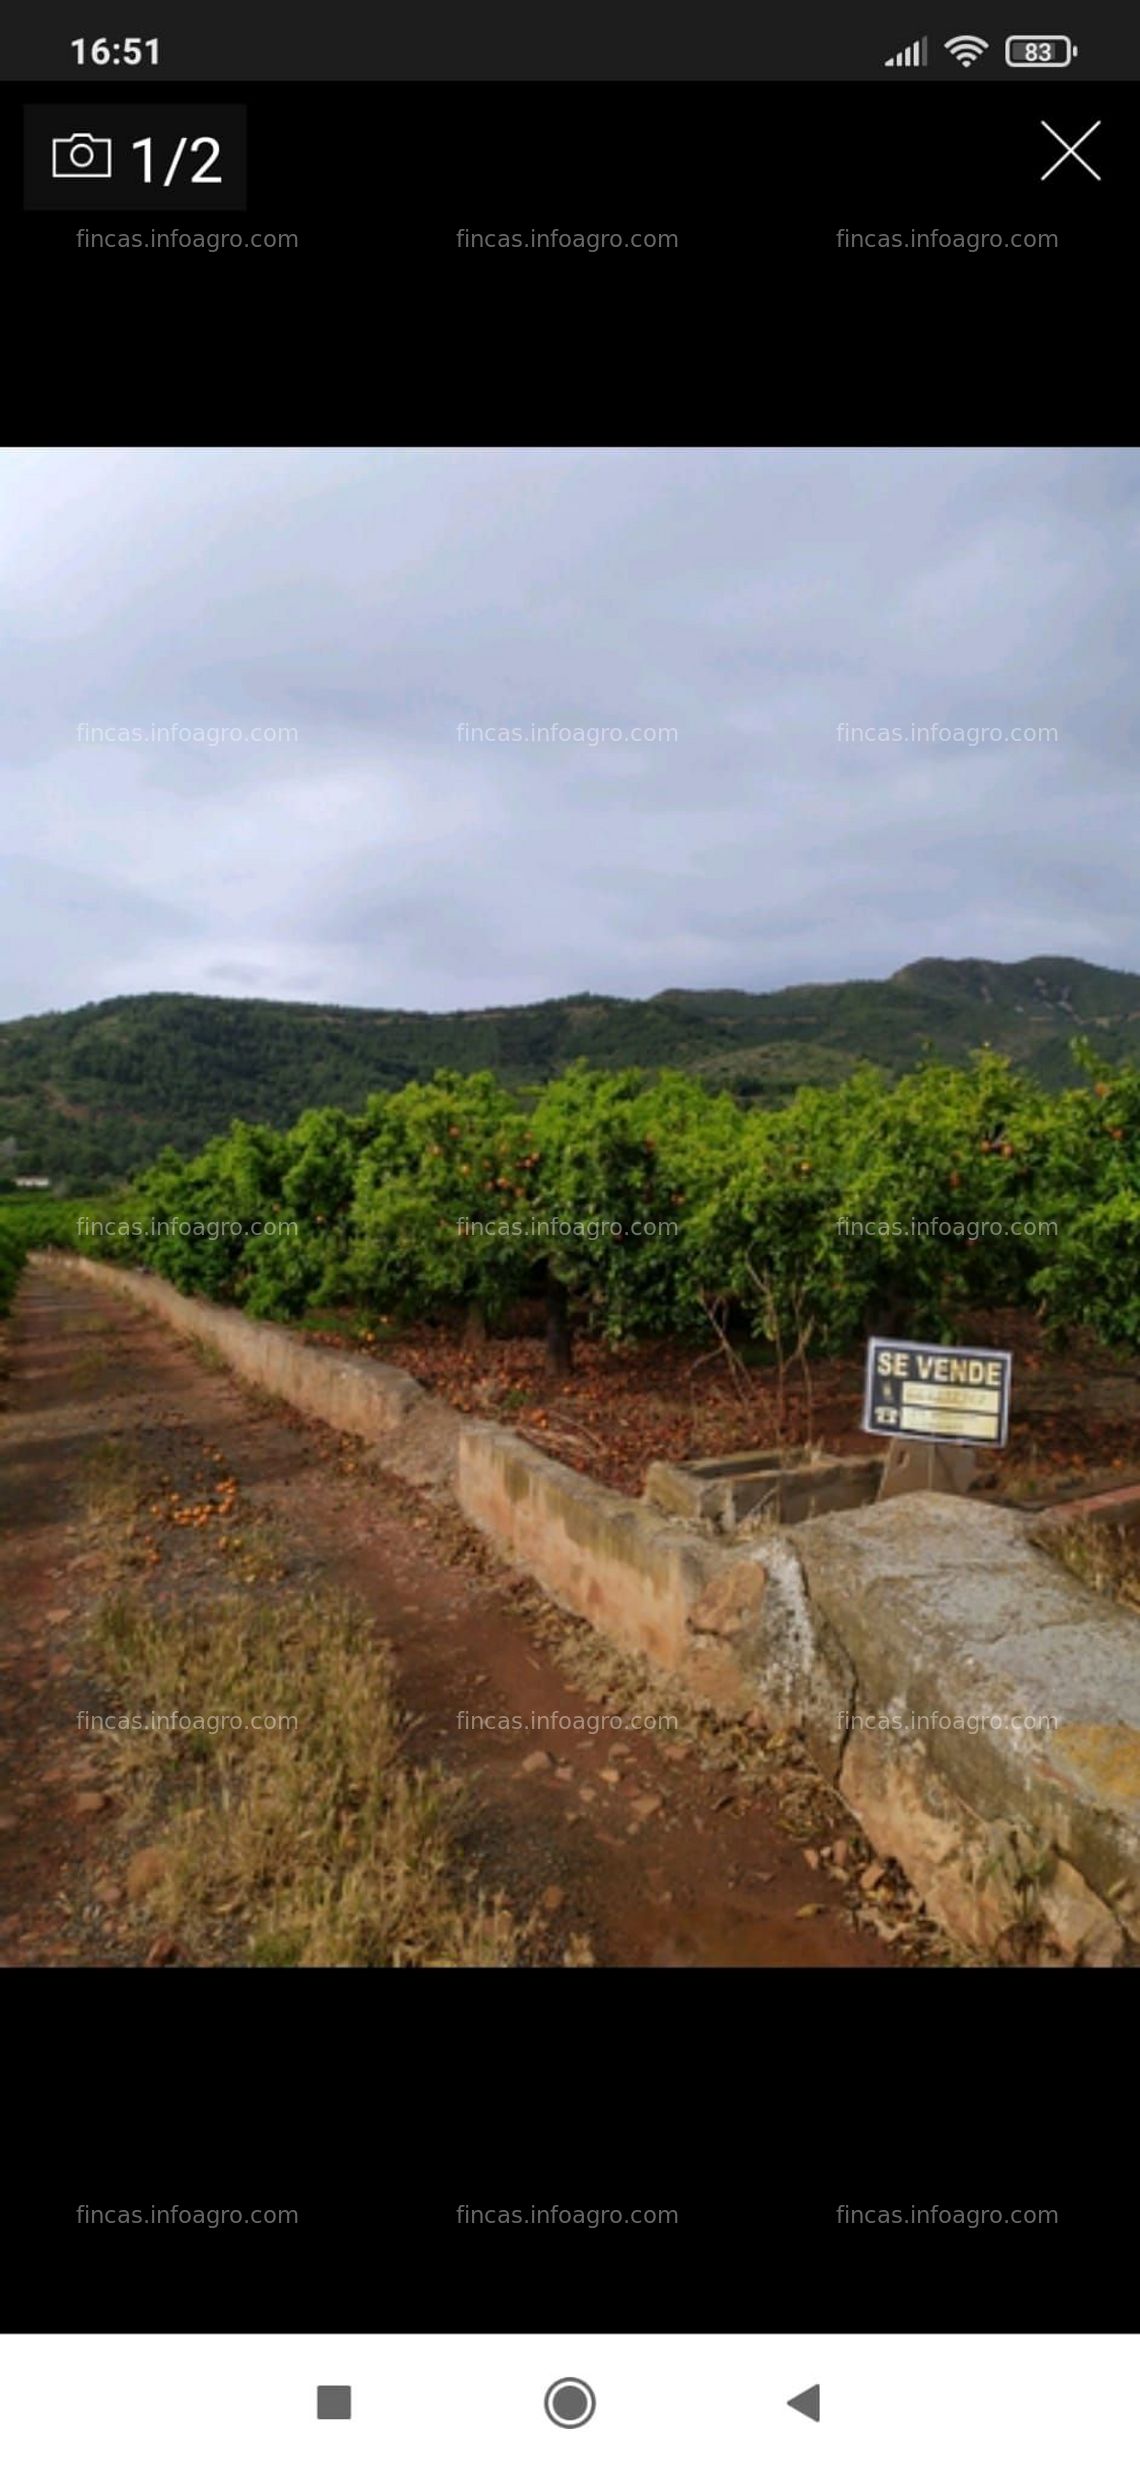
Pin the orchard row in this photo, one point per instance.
(652, 1205)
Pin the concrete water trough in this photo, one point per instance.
(780, 1487)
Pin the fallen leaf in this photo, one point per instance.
(165, 1951)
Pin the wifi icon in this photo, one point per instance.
(966, 48)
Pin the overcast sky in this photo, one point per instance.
(382, 604)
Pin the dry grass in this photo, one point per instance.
(205, 1353)
(90, 1363)
(114, 1484)
(1104, 1556)
(312, 1843)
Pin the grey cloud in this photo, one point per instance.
(379, 603)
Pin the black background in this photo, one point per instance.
(754, 2105)
(755, 327)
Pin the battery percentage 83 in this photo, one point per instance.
(1039, 51)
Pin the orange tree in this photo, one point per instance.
(621, 1167)
(764, 1241)
(284, 1272)
(1090, 1186)
(440, 1199)
(856, 1205)
(26, 1224)
(942, 1172)
(13, 1246)
(188, 1219)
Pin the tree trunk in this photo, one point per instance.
(559, 1353)
(475, 1325)
(888, 1316)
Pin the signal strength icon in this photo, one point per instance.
(966, 48)
(914, 56)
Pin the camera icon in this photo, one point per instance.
(81, 157)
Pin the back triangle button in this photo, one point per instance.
(807, 2402)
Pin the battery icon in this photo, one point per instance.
(1039, 51)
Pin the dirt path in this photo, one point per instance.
(630, 1842)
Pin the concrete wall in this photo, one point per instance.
(983, 1717)
(974, 1704)
(418, 1434)
(623, 1566)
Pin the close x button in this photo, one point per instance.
(1070, 153)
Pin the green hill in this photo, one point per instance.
(87, 1094)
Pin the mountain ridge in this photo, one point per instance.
(93, 1091)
